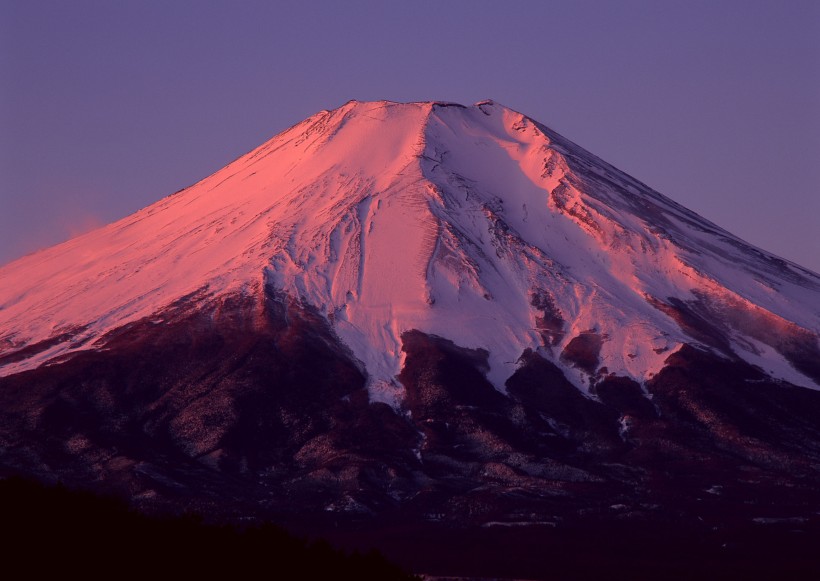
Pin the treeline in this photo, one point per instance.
(51, 530)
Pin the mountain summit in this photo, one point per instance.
(476, 224)
(424, 314)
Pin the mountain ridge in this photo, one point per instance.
(409, 324)
(567, 220)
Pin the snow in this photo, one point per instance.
(771, 362)
(388, 217)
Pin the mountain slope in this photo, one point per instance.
(469, 223)
(420, 316)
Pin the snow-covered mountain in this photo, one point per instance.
(476, 224)
(427, 314)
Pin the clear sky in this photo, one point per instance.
(105, 107)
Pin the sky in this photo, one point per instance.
(106, 107)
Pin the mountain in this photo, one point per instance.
(427, 313)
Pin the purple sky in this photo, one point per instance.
(105, 107)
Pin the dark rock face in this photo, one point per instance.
(186, 406)
(251, 406)
(550, 324)
(583, 351)
(735, 409)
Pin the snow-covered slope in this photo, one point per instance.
(476, 224)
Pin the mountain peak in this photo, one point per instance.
(476, 224)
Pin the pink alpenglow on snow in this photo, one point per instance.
(476, 224)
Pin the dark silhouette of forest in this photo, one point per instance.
(51, 530)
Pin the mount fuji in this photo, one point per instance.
(421, 312)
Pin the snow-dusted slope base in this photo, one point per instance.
(474, 224)
(231, 409)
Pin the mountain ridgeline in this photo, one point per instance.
(395, 321)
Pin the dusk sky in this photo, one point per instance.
(106, 107)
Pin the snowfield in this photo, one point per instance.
(476, 224)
